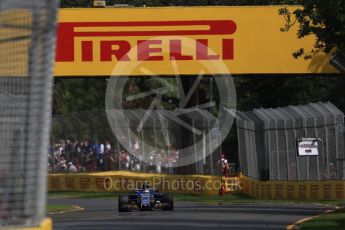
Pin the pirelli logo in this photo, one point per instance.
(167, 41)
(112, 41)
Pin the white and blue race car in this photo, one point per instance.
(146, 198)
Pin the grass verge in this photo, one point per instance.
(59, 207)
(233, 198)
(330, 221)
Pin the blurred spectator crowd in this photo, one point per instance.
(87, 156)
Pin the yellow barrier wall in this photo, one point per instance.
(46, 224)
(291, 190)
(123, 181)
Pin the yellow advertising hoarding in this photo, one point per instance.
(124, 181)
(293, 190)
(180, 40)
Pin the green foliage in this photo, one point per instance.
(273, 91)
(325, 19)
(79, 94)
(75, 3)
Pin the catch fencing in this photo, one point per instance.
(27, 45)
(269, 141)
(76, 138)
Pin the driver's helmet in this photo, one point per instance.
(146, 185)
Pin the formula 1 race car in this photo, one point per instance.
(146, 198)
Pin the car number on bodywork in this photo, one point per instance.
(145, 199)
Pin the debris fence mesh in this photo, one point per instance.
(27, 46)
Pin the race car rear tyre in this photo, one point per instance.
(123, 203)
(168, 201)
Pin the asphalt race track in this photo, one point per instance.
(101, 213)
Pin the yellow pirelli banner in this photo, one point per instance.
(180, 40)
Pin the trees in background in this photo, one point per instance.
(323, 19)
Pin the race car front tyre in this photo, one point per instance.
(123, 203)
(168, 201)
